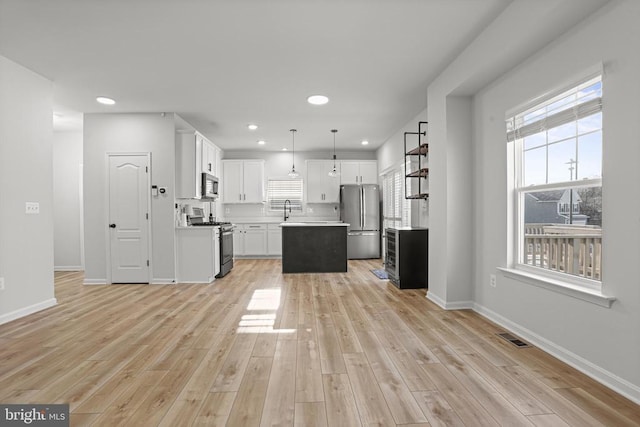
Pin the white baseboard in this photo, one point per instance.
(94, 282)
(68, 268)
(457, 305)
(193, 282)
(614, 382)
(17, 314)
(163, 282)
(436, 299)
(104, 282)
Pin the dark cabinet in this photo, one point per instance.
(406, 261)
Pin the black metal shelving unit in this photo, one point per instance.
(419, 152)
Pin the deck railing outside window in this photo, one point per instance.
(572, 249)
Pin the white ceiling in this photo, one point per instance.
(224, 64)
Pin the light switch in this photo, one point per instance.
(32, 208)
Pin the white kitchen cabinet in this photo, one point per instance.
(238, 240)
(321, 188)
(243, 181)
(250, 240)
(209, 158)
(358, 172)
(232, 189)
(255, 239)
(274, 240)
(197, 253)
(194, 154)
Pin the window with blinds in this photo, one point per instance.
(279, 190)
(396, 210)
(557, 147)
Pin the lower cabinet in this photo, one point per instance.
(250, 240)
(198, 254)
(274, 239)
(257, 239)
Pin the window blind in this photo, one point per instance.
(575, 104)
(396, 210)
(279, 190)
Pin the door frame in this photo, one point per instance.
(108, 156)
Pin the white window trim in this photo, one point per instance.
(577, 287)
(531, 276)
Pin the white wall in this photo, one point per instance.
(459, 199)
(110, 133)
(278, 164)
(26, 241)
(607, 339)
(67, 180)
(391, 156)
(603, 342)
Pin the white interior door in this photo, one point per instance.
(128, 218)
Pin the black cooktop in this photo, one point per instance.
(197, 224)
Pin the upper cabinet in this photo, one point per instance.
(189, 165)
(243, 181)
(358, 172)
(321, 188)
(194, 154)
(209, 158)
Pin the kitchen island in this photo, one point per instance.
(314, 247)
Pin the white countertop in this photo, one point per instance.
(314, 224)
(277, 219)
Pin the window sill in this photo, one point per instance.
(575, 291)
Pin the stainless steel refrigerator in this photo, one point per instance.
(360, 208)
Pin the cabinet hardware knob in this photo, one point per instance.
(112, 226)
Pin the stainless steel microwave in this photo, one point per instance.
(209, 186)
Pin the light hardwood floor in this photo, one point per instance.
(261, 348)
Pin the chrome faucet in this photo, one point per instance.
(285, 209)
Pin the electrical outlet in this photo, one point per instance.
(32, 208)
(1, 283)
(492, 280)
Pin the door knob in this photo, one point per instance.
(112, 226)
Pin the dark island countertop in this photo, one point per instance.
(314, 247)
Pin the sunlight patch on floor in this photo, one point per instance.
(266, 300)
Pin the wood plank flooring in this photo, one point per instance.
(258, 348)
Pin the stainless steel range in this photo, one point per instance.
(226, 248)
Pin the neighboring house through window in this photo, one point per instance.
(557, 146)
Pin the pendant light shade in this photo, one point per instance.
(334, 172)
(293, 173)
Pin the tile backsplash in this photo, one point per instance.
(319, 211)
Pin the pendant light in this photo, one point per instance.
(334, 172)
(293, 173)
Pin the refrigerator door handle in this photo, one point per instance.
(362, 208)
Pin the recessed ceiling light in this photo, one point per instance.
(365, 142)
(252, 126)
(104, 100)
(317, 99)
(284, 149)
(261, 142)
